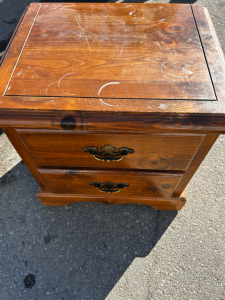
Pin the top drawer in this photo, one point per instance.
(145, 151)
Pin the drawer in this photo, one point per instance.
(123, 183)
(95, 150)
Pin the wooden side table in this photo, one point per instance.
(114, 103)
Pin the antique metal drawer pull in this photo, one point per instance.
(108, 153)
(109, 186)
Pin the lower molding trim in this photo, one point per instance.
(52, 199)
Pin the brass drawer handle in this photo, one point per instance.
(109, 153)
(109, 186)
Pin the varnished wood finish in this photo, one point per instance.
(69, 103)
(97, 51)
(132, 123)
(212, 48)
(150, 77)
(141, 184)
(157, 203)
(155, 151)
(14, 52)
(206, 145)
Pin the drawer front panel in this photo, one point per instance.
(139, 151)
(111, 183)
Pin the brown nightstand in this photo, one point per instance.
(114, 103)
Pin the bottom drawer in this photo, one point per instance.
(126, 183)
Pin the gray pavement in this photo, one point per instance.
(95, 251)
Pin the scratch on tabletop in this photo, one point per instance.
(22, 73)
(163, 71)
(163, 106)
(105, 102)
(183, 73)
(83, 33)
(49, 85)
(61, 80)
(101, 88)
(59, 6)
(33, 71)
(67, 8)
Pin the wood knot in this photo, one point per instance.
(168, 41)
(176, 28)
(68, 123)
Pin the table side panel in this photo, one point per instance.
(204, 148)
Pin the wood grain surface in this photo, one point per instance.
(15, 50)
(141, 184)
(212, 49)
(149, 77)
(129, 122)
(52, 199)
(204, 148)
(113, 51)
(155, 151)
(208, 45)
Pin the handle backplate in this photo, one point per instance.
(109, 186)
(109, 153)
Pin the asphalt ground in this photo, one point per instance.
(98, 251)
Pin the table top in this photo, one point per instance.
(114, 51)
(114, 57)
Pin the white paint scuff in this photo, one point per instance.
(101, 88)
(163, 106)
(63, 77)
(184, 73)
(105, 102)
(46, 90)
(61, 80)
(20, 73)
(163, 71)
(59, 6)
